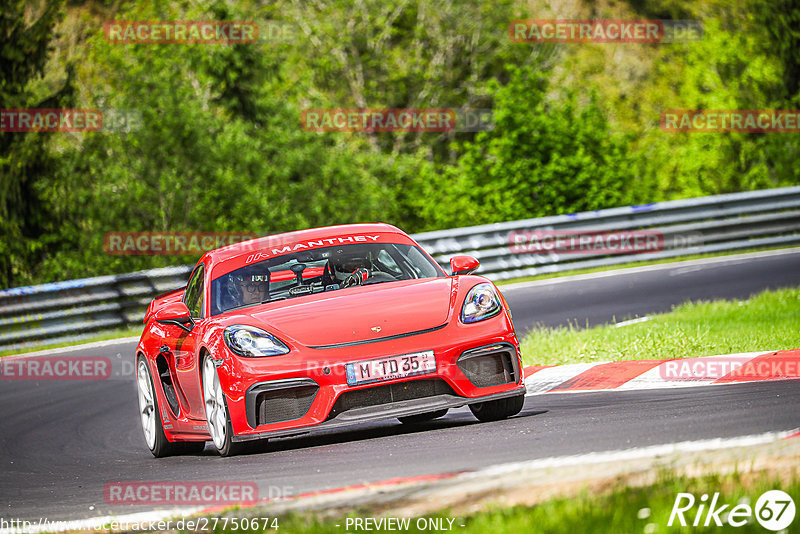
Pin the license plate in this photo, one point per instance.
(380, 369)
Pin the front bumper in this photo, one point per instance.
(308, 390)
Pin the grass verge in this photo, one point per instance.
(767, 321)
(621, 509)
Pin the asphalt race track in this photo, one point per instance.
(62, 441)
(599, 299)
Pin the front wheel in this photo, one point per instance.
(219, 420)
(497, 409)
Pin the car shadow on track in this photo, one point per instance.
(368, 431)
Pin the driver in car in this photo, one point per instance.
(351, 269)
(251, 288)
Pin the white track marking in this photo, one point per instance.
(632, 321)
(73, 348)
(550, 377)
(677, 373)
(704, 371)
(653, 451)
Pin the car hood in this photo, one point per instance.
(361, 314)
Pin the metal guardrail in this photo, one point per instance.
(75, 309)
(718, 223)
(65, 311)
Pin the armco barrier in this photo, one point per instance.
(69, 310)
(64, 311)
(692, 226)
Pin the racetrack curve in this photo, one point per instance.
(62, 441)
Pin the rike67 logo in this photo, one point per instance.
(774, 510)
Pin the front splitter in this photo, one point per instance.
(384, 411)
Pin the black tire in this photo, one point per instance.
(226, 447)
(161, 446)
(497, 409)
(231, 448)
(422, 417)
(235, 448)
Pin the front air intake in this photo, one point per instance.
(492, 365)
(280, 400)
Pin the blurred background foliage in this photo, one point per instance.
(220, 146)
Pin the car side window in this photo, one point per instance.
(193, 297)
(385, 260)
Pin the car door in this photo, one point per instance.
(187, 363)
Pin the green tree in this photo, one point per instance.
(408, 54)
(728, 69)
(218, 149)
(548, 154)
(26, 218)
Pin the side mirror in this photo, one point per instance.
(175, 313)
(463, 265)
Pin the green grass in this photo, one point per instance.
(767, 321)
(620, 510)
(545, 276)
(625, 510)
(110, 334)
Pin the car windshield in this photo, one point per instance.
(319, 270)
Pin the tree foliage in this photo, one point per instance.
(546, 154)
(27, 220)
(219, 145)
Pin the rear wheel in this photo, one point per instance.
(150, 417)
(497, 409)
(422, 417)
(219, 420)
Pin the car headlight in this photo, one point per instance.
(250, 341)
(481, 303)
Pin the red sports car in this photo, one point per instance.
(319, 329)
